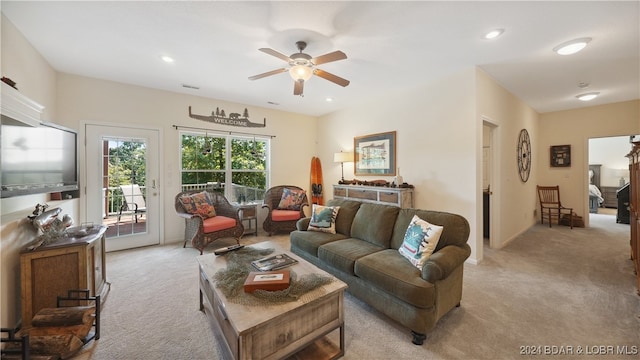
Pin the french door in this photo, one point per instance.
(122, 187)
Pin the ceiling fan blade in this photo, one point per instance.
(276, 54)
(329, 76)
(298, 86)
(334, 56)
(268, 73)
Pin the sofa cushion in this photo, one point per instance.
(285, 215)
(348, 210)
(374, 223)
(392, 273)
(420, 240)
(342, 254)
(198, 204)
(291, 199)
(455, 232)
(218, 223)
(323, 218)
(310, 241)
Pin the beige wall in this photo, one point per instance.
(85, 100)
(512, 201)
(436, 142)
(575, 127)
(35, 78)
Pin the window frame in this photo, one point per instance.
(228, 166)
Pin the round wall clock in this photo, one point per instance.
(524, 155)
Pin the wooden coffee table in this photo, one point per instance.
(298, 329)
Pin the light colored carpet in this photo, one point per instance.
(549, 287)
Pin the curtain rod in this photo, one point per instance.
(220, 131)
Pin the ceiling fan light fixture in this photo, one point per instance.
(571, 47)
(588, 96)
(300, 72)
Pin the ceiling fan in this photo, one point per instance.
(302, 66)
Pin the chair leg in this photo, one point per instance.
(571, 219)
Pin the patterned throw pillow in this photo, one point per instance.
(291, 199)
(198, 204)
(420, 240)
(323, 218)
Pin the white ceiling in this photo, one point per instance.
(391, 46)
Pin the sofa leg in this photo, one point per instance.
(418, 338)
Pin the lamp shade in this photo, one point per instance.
(342, 157)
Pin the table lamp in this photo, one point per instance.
(343, 157)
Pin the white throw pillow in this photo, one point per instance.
(323, 218)
(420, 240)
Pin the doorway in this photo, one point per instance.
(608, 178)
(491, 183)
(122, 188)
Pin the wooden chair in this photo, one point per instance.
(133, 200)
(550, 205)
(281, 219)
(203, 231)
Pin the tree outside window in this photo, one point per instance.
(241, 174)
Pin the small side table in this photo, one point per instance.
(249, 213)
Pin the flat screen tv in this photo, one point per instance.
(41, 159)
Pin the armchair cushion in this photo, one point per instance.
(292, 199)
(323, 218)
(218, 223)
(420, 239)
(285, 215)
(198, 204)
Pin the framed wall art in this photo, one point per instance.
(375, 154)
(560, 156)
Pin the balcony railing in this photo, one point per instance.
(114, 198)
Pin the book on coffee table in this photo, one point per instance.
(274, 262)
(270, 281)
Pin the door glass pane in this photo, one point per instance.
(124, 186)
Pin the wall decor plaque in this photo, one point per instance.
(560, 155)
(233, 119)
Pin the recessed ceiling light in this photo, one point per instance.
(167, 59)
(571, 47)
(588, 96)
(329, 99)
(493, 34)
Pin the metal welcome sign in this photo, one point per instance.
(233, 119)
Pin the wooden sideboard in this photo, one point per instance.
(634, 208)
(610, 197)
(71, 263)
(400, 197)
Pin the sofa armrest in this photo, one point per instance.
(303, 224)
(442, 263)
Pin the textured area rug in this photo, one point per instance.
(231, 280)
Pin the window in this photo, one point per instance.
(215, 161)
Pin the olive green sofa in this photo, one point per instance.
(364, 254)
